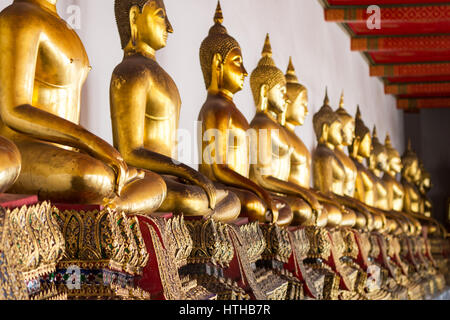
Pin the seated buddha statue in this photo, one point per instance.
(333, 171)
(272, 165)
(424, 185)
(145, 110)
(300, 161)
(43, 66)
(410, 174)
(224, 147)
(364, 217)
(359, 150)
(377, 164)
(394, 188)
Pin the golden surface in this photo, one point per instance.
(43, 66)
(224, 149)
(272, 167)
(145, 110)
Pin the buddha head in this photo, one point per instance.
(297, 108)
(142, 21)
(327, 125)
(221, 59)
(268, 83)
(410, 163)
(378, 158)
(362, 144)
(425, 178)
(394, 160)
(348, 124)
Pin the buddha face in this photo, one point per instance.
(395, 164)
(335, 133)
(365, 148)
(412, 170)
(381, 161)
(234, 72)
(153, 26)
(348, 132)
(278, 99)
(298, 109)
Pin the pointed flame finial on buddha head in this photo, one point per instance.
(268, 83)
(297, 93)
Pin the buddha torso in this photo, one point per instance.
(411, 201)
(300, 172)
(380, 193)
(237, 159)
(280, 162)
(162, 102)
(350, 172)
(365, 184)
(61, 64)
(394, 191)
(328, 167)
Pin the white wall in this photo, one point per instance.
(320, 51)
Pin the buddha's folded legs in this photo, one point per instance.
(9, 163)
(191, 200)
(255, 209)
(67, 176)
(301, 211)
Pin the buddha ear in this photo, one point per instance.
(217, 61)
(134, 11)
(216, 72)
(355, 146)
(264, 91)
(325, 130)
(263, 96)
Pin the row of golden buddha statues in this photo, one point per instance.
(353, 209)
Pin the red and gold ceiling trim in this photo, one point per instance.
(410, 50)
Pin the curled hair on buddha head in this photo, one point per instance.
(217, 41)
(409, 156)
(361, 129)
(266, 73)
(122, 12)
(391, 151)
(378, 147)
(342, 113)
(293, 87)
(325, 115)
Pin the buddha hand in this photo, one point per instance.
(113, 158)
(207, 185)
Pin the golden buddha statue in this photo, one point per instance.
(145, 109)
(359, 150)
(331, 165)
(43, 66)
(410, 174)
(272, 164)
(378, 165)
(300, 166)
(364, 217)
(424, 185)
(224, 148)
(393, 187)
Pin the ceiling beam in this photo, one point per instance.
(416, 14)
(418, 88)
(423, 103)
(421, 43)
(405, 70)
